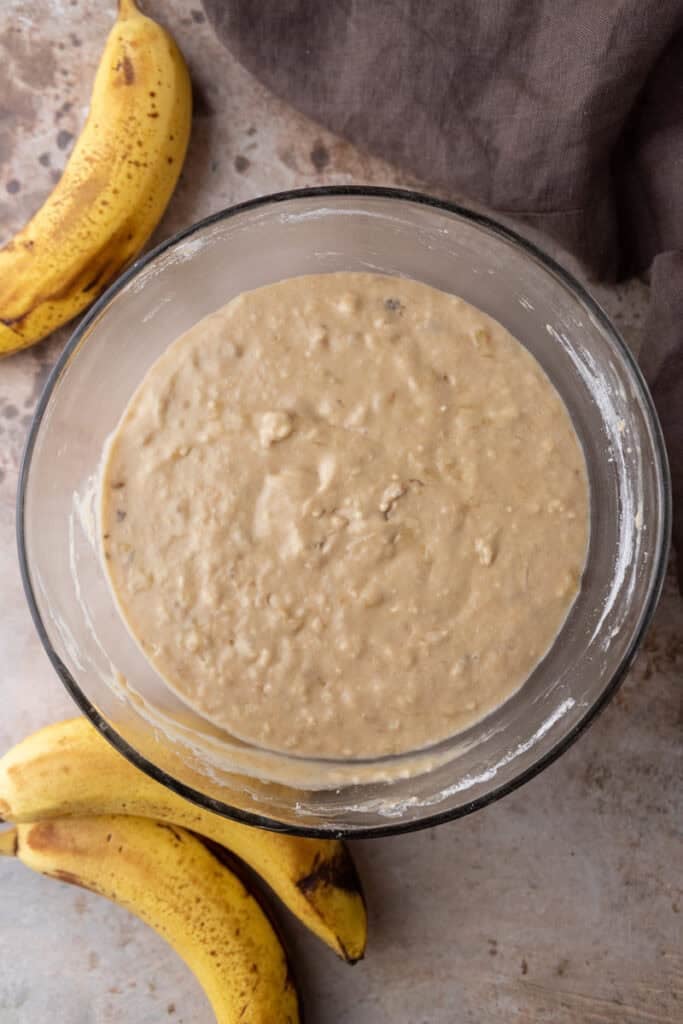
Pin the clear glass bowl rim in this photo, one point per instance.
(657, 576)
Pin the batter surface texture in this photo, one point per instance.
(346, 515)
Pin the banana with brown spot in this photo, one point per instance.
(114, 189)
(69, 769)
(169, 879)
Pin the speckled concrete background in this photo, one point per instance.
(561, 903)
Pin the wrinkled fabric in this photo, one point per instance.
(567, 114)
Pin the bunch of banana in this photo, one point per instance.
(114, 189)
(171, 881)
(67, 790)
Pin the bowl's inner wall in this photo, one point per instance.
(304, 235)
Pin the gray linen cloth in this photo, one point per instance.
(567, 114)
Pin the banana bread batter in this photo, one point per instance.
(346, 515)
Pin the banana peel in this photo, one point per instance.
(169, 879)
(114, 189)
(68, 769)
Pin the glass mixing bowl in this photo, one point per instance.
(313, 231)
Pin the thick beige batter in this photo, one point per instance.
(345, 515)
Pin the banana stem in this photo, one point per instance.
(127, 9)
(9, 843)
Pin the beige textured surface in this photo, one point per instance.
(562, 903)
(378, 567)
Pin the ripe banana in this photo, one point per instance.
(169, 879)
(69, 769)
(114, 189)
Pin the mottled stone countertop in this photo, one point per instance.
(558, 904)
